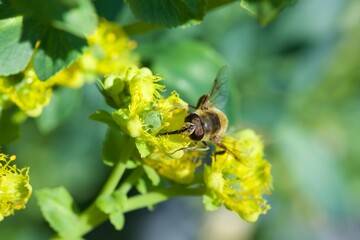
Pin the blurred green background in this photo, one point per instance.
(295, 81)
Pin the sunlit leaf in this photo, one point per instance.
(142, 147)
(15, 49)
(57, 207)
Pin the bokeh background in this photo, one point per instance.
(295, 81)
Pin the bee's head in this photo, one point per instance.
(194, 127)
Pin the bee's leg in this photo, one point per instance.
(217, 141)
(206, 146)
(194, 148)
(222, 152)
(193, 107)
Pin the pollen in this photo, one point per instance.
(15, 188)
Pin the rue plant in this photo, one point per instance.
(142, 160)
(154, 166)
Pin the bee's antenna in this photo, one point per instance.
(173, 132)
(188, 129)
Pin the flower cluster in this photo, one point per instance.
(26, 91)
(141, 112)
(240, 182)
(238, 178)
(109, 52)
(15, 188)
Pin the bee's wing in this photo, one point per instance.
(220, 89)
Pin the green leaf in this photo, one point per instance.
(60, 25)
(7, 10)
(110, 203)
(104, 117)
(265, 11)
(57, 207)
(152, 175)
(116, 216)
(57, 50)
(117, 146)
(117, 219)
(141, 186)
(16, 46)
(77, 17)
(142, 147)
(168, 12)
(132, 163)
(113, 206)
(63, 102)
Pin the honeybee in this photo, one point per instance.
(208, 123)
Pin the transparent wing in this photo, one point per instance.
(220, 89)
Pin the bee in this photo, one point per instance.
(208, 123)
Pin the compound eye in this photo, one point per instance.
(192, 127)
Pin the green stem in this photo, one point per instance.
(113, 179)
(158, 196)
(93, 217)
(119, 169)
(129, 182)
(142, 27)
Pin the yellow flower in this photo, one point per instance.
(112, 49)
(15, 188)
(72, 76)
(109, 52)
(142, 113)
(133, 94)
(165, 156)
(247, 145)
(27, 92)
(181, 169)
(240, 183)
